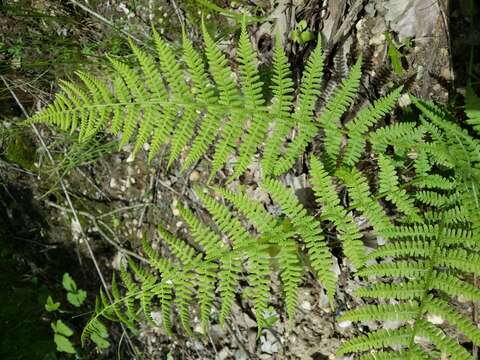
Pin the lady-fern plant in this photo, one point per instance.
(418, 199)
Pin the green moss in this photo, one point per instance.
(19, 150)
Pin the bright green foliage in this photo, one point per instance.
(75, 296)
(194, 274)
(472, 109)
(327, 198)
(413, 184)
(282, 90)
(429, 260)
(310, 231)
(61, 337)
(186, 106)
(302, 116)
(340, 101)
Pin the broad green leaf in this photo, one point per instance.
(77, 298)
(306, 36)
(64, 344)
(101, 342)
(68, 283)
(51, 306)
(61, 328)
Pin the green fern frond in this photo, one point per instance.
(444, 343)
(392, 312)
(154, 82)
(210, 241)
(307, 129)
(259, 280)
(229, 97)
(226, 222)
(472, 109)
(183, 251)
(229, 277)
(173, 73)
(397, 269)
(206, 290)
(415, 352)
(435, 181)
(402, 291)
(341, 100)
(388, 184)
(290, 266)
(327, 197)
(205, 91)
(453, 286)
(184, 294)
(363, 201)
(119, 313)
(401, 135)
(282, 89)
(253, 102)
(444, 310)
(291, 271)
(376, 340)
(253, 210)
(164, 293)
(309, 230)
(365, 118)
(185, 108)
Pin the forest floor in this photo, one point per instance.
(116, 199)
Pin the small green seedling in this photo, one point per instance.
(271, 317)
(61, 337)
(75, 296)
(301, 34)
(62, 332)
(51, 306)
(394, 53)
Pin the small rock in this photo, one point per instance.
(324, 302)
(249, 322)
(157, 317)
(269, 343)
(194, 176)
(370, 9)
(306, 306)
(241, 355)
(377, 40)
(420, 72)
(344, 324)
(446, 74)
(335, 267)
(223, 354)
(381, 240)
(404, 101)
(392, 324)
(434, 319)
(199, 329)
(252, 340)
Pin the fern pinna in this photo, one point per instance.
(425, 274)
